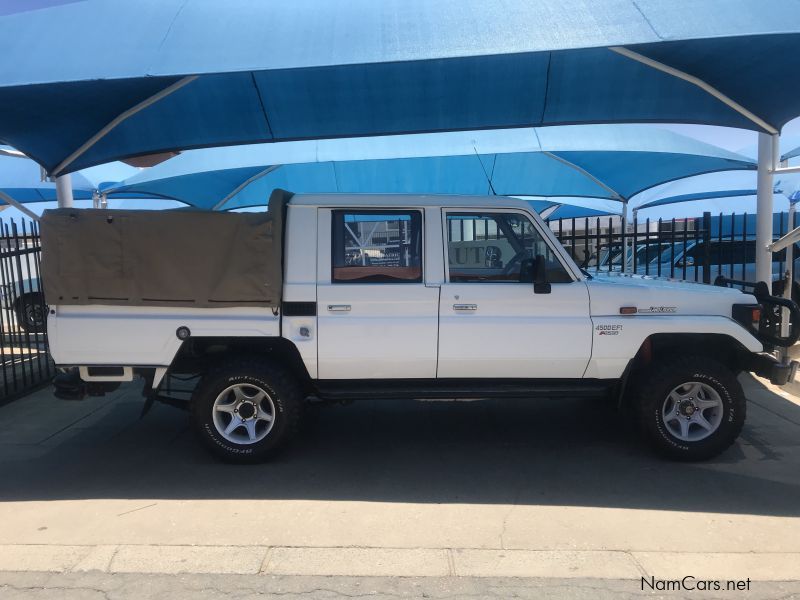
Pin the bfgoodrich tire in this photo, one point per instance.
(690, 408)
(246, 410)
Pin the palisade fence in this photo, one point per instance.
(695, 249)
(23, 313)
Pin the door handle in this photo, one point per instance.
(465, 307)
(339, 307)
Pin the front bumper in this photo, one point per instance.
(769, 367)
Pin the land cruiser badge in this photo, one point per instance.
(658, 309)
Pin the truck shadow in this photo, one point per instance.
(540, 452)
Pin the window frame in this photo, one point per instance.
(486, 210)
(379, 211)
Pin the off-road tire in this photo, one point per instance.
(653, 387)
(282, 388)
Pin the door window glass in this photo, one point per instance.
(498, 247)
(377, 246)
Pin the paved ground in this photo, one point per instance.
(450, 495)
(124, 586)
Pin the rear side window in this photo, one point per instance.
(377, 246)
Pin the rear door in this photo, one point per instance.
(377, 319)
(491, 323)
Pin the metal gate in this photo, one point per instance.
(23, 312)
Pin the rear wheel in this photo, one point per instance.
(246, 410)
(690, 408)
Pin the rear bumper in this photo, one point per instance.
(769, 367)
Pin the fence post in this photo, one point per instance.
(706, 247)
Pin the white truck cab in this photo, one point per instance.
(387, 296)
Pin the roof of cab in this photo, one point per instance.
(409, 200)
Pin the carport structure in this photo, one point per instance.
(606, 162)
(22, 182)
(189, 73)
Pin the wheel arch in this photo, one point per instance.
(724, 348)
(199, 354)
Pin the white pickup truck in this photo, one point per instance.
(391, 296)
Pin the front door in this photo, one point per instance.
(376, 317)
(491, 323)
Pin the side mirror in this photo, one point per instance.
(540, 284)
(686, 261)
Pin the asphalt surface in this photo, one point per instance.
(550, 498)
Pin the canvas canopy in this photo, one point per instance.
(164, 258)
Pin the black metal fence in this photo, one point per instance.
(23, 313)
(694, 249)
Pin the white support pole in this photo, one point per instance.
(64, 191)
(788, 277)
(767, 159)
(625, 268)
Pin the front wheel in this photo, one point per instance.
(246, 410)
(691, 408)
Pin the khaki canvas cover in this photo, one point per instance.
(163, 258)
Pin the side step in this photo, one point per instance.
(336, 390)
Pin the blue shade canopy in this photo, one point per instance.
(21, 179)
(697, 196)
(573, 208)
(600, 161)
(310, 69)
(728, 205)
(789, 148)
(719, 189)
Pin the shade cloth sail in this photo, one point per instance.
(601, 161)
(21, 179)
(79, 93)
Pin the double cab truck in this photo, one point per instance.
(341, 297)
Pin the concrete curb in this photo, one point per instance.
(398, 562)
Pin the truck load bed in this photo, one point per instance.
(163, 258)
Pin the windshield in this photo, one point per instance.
(645, 253)
(668, 253)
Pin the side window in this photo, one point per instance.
(498, 248)
(377, 246)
